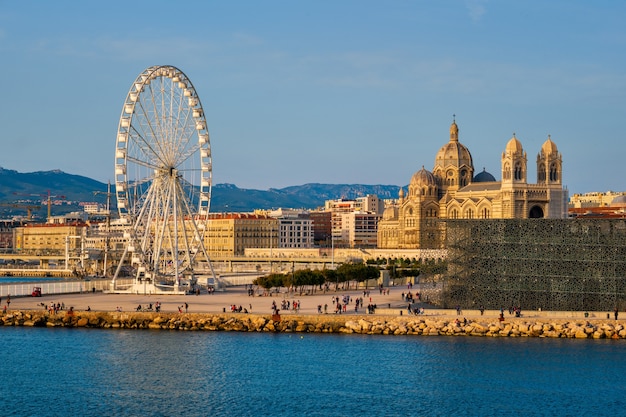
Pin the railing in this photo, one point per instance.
(56, 287)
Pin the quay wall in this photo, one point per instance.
(378, 325)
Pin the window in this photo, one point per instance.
(554, 174)
(506, 174)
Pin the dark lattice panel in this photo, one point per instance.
(552, 264)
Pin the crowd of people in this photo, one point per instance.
(240, 309)
(149, 307)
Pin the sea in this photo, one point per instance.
(97, 372)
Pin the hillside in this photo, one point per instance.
(33, 187)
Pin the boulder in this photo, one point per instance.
(353, 325)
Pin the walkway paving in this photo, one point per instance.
(220, 302)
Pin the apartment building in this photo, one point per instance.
(359, 229)
(229, 234)
(49, 239)
(345, 235)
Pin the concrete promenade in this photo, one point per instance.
(219, 302)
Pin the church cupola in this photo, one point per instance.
(454, 132)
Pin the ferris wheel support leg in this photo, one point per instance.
(119, 268)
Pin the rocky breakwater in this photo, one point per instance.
(496, 328)
(374, 325)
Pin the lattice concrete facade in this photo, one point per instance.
(552, 264)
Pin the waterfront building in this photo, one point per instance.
(359, 229)
(229, 234)
(370, 203)
(321, 226)
(340, 232)
(50, 239)
(295, 228)
(616, 208)
(68, 218)
(453, 191)
(595, 199)
(6, 233)
(547, 264)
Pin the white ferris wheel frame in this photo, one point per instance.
(162, 130)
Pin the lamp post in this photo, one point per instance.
(332, 249)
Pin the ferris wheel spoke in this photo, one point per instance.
(154, 127)
(143, 163)
(183, 135)
(189, 152)
(145, 146)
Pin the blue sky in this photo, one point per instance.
(323, 91)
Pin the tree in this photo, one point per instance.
(307, 277)
(270, 281)
(330, 277)
(357, 272)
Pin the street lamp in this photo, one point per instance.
(332, 249)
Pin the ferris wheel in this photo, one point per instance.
(163, 178)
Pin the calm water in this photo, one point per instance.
(16, 280)
(83, 372)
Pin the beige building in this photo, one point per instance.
(229, 234)
(595, 199)
(295, 228)
(453, 191)
(49, 239)
(341, 234)
(359, 230)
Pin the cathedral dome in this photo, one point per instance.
(453, 153)
(484, 177)
(390, 213)
(423, 178)
(549, 147)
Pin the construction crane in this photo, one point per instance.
(28, 207)
(108, 193)
(45, 195)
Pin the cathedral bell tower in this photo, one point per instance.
(514, 163)
(549, 164)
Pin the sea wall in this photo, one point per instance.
(379, 325)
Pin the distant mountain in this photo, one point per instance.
(227, 197)
(35, 186)
(18, 186)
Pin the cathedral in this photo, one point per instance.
(452, 191)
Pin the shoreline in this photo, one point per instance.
(323, 323)
(212, 312)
